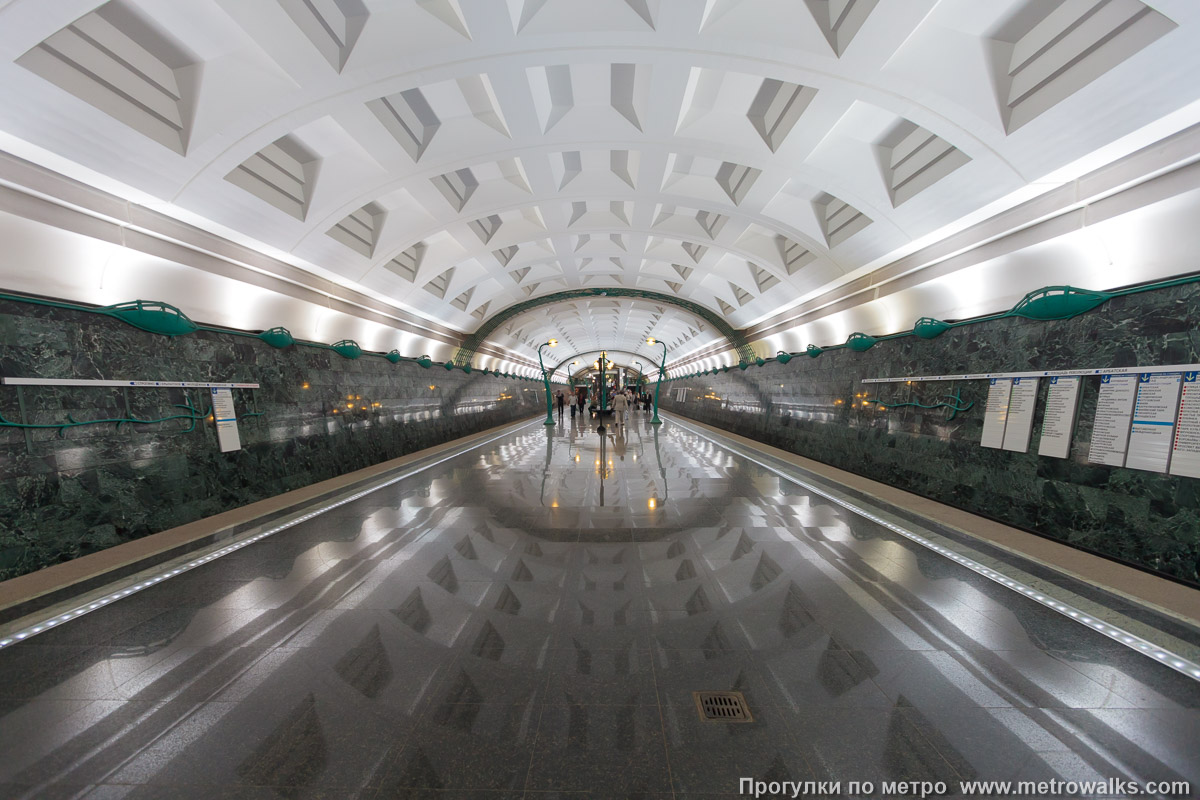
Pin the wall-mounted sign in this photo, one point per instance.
(995, 415)
(1021, 404)
(1185, 455)
(140, 384)
(226, 419)
(1114, 412)
(1063, 373)
(1162, 436)
(1058, 422)
(1153, 430)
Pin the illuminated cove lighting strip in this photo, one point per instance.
(1132, 641)
(45, 624)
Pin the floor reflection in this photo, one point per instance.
(534, 617)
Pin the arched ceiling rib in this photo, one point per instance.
(460, 156)
(605, 318)
(621, 358)
(740, 274)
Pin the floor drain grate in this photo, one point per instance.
(722, 707)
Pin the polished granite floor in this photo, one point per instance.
(530, 619)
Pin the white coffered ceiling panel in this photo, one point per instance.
(455, 157)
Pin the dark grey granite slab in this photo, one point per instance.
(814, 407)
(96, 486)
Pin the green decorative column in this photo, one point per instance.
(546, 381)
(661, 369)
(603, 381)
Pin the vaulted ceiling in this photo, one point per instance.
(453, 158)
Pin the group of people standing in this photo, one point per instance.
(622, 401)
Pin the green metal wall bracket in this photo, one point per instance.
(278, 337)
(152, 316)
(861, 342)
(1059, 302)
(347, 348)
(930, 328)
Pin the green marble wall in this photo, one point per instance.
(96, 486)
(813, 407)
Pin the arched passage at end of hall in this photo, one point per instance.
(584, 353)
(472, 342)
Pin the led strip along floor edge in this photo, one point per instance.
(54, 620)
(1131, 640)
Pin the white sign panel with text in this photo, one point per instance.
(226, 419)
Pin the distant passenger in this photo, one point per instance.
(620, 403)
(561, 402)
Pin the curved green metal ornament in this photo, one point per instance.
(192, 416)
(860, 342)
(930, 328)
(953, 408)
(278, 337)
(1058, 302)
(347, 348)
(152, 316)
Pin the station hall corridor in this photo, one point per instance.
(530, 618)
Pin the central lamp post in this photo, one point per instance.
(546, 379)
(661, 369)
(603, 364)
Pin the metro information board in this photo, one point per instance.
(1058, 422)
(1153, 430)
(226, 419)
(995, 415)
(1021, 404)
(1185, 456)
(1114, 412)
